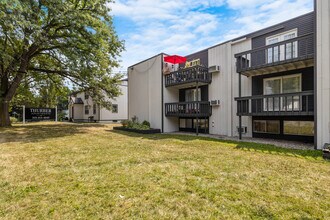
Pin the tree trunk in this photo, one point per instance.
(4, 113)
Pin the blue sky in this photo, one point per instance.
(182, 27)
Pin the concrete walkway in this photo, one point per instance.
(279, 143)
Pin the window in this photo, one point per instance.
(266, 126)
(202, 123)
(186, 123)
(190, 95)
(305, 128)
(94, 109)
(114, 108)
(282, 85)
(86, 96)
(86, 109)
(284, 51)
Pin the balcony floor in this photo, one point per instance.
(286, 65)
(294, 113)
(185, 85)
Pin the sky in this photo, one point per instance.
(183, 27)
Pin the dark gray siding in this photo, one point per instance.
(202, 55)
(307, 80)
(304, 24)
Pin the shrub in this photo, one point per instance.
(135, 119)
(146, 123)
(125, 123)
(134, 124)
(61, 116)
(13, 120)
(138, 126)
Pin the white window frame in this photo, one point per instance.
(282, 107)
(281, 37)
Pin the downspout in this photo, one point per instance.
(197, 106)
(315, 74)
(240, 95)
(162, 91)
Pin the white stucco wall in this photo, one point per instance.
(323, 72)
(102, 114)
(144, 91)
(224, 87)
(246, 88)
(121, 101)
(171, 124)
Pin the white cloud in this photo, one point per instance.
(185, 26)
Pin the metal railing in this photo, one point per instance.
(188, 109)
(299, 48)
(300, 103)
(188, 75)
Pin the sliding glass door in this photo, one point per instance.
(282, 85)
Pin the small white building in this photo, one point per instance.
(83, 109)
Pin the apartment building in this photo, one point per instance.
(273, 83)
(83, 109)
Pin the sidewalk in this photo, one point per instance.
(276, 142)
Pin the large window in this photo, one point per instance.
(266, 126)
(191, 96)
(94, 109)
(283, 51)
(86, 109)
(305, 128)
(190, 124)
(282, 85)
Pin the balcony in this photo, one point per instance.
(188, 77)
(286, 55)
(188, 109)
(290, 104)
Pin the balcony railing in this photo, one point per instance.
(188, 109)
(295, 49)
(188, 75)
(290, 104)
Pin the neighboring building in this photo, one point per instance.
(268, 84)
(83, 109)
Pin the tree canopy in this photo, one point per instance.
(61, 40)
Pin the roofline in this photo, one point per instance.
(160, 54)
(271, 28)
(251, 34)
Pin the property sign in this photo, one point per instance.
(40, 114)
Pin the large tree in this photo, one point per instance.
(70, 39)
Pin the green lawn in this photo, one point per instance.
(89, 171)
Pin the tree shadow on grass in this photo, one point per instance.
(244, 146)
(36, 132)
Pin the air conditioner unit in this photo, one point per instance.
(244, 129)
(214, 69)
(215, 102)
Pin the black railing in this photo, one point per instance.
(188, 75)
(188, 109)
(295, 49)
(300, 103)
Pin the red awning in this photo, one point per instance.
(175, 59)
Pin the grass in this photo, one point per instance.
(89, 171)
